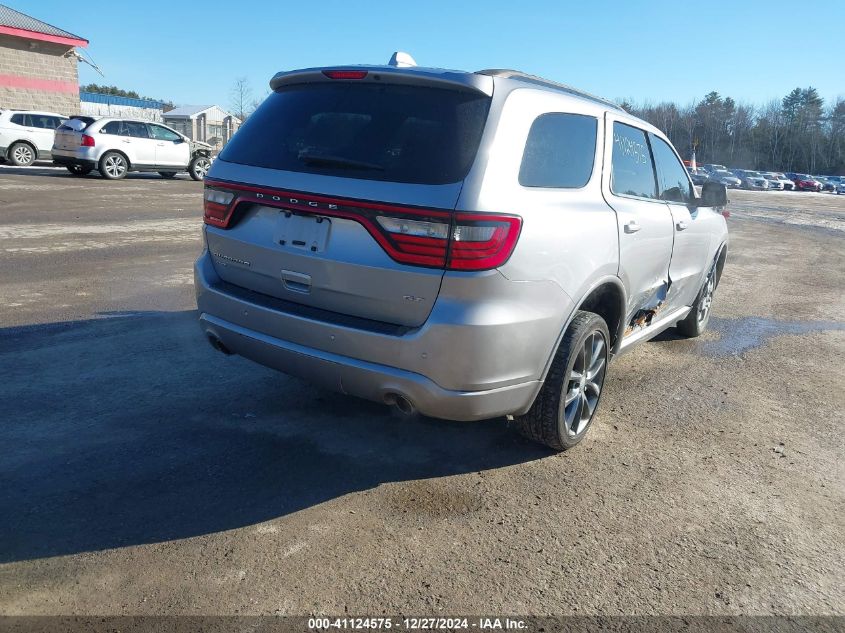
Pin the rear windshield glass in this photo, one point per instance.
(387, 132)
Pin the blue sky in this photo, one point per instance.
(647, 51)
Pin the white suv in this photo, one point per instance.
(118, 146)
(27, 136)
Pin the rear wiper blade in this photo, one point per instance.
(338, 161)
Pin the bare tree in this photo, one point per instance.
(241, 98)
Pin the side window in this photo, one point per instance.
(54, 122)
(42, 121)
(163, 134)
(672, 179)
(559, 152)
(18, 119)
(631, 171)
(112, 127)
(133, 128)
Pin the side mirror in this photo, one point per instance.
(178, 140)
(713, 194)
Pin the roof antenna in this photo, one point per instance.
(401, 59)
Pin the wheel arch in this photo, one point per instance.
(605, 297)
(116, 151)
(25, 142)
(720, 259)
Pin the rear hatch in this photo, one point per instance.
(338, 192)
(69, 134)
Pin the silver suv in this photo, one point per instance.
(115, 147)
(466, 245)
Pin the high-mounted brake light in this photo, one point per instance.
(409, 235)
(345, 74)
(87, 141)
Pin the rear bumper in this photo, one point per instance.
(469, 361)
(363, 379)
(64, 161)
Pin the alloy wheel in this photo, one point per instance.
(22, 155)
(706, 298)
(115, 166)
(201, 167)
(586, 379)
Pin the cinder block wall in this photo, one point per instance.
(21, 58)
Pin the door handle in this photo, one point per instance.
(126, 140)
(160, 144)
(632, 227)
(681, 225)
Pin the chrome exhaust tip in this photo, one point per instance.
(400, 404)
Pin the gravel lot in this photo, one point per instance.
(144, 473)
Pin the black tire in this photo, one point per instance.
(79, 170)
(699, 316)
(550, 418)
(110, 166)
(167, 174)
(198, 167)
(22, 154)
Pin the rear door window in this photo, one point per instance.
(673, 182)
(370, 131)
(559, 152)
(632, 171)
(133, 128)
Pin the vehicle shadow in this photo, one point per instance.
(130, 429)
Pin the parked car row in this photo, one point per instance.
(112, 146)
(765, 180)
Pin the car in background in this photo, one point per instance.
(805, 182)
(726, 178)
(27, 135)
(752, 180)
(698, 176)
(710, 168)
(840, 185)
(116, 146)
(776, 177)
(774, 183)
(826, 182)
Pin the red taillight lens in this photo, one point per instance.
(217, 207)
(416, 240)
(482, 241)
(345, 74)
(87, 141)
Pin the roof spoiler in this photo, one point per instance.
(409, 76)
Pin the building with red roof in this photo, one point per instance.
(38, 64)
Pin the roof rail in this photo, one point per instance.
(539, 81)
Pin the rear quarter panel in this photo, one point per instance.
(569, 236)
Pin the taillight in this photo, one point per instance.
(87, 141)
(419, 237)
(217, 207)
(345, 74)
(482, 241)
(467, 241)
